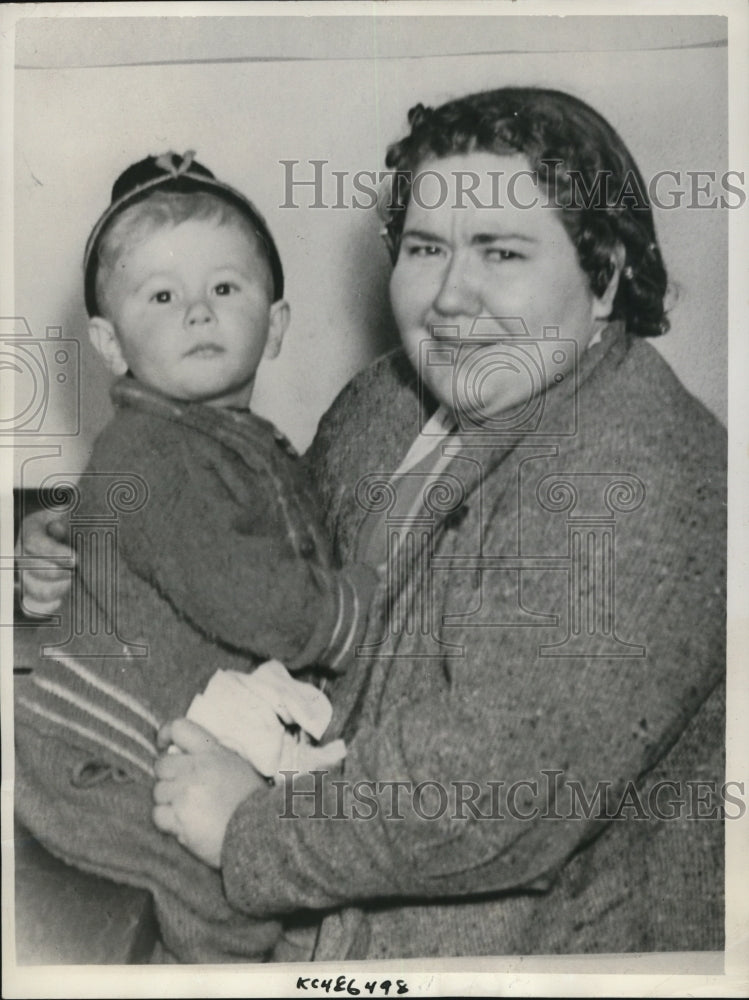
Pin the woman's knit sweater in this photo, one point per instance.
(539, 681)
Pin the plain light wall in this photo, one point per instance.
(249, 92)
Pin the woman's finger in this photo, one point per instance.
(43, 572)
(45, 582)
(44, 534)
(58, 529)
(42, 592)
(173, 765)
(165, 819)
(164, 735)
(163, 792)
(43, 585)
(31, 606)
(190, 737)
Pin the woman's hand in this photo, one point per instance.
(44, 586)
(197, 791)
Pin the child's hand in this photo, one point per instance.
(197, 791)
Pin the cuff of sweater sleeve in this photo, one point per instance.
(264, 865)
(355, 590)
(342, 618)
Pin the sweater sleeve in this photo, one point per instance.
(202, 540)
(495, 780)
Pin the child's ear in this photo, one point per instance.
(104, 340)
(280, 314)
(603, 305)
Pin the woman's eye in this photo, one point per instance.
(498, 254)
(161, 297)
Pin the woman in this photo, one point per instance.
(543, 671)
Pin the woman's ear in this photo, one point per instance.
(103, 337)
(605, 303)
(280, 314)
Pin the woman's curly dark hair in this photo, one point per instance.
(584, 167)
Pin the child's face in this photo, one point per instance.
(189, 313)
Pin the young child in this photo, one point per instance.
(220, 563)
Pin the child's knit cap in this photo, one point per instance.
(172, 172)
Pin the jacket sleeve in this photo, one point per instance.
(202, 541)
(492, 782)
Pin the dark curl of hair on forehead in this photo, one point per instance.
(586, 171)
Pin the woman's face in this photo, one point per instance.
(484, 281)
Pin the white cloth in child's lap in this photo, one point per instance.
(250, 714)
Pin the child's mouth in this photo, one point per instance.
(204, 351)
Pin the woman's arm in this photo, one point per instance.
(515, 765)
(529, 738)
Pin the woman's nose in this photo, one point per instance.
(458, 292)
(199, 313)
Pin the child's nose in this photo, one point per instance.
(199, 313)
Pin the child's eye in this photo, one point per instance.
(423, 250)
(161, 297)
(225, 288)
